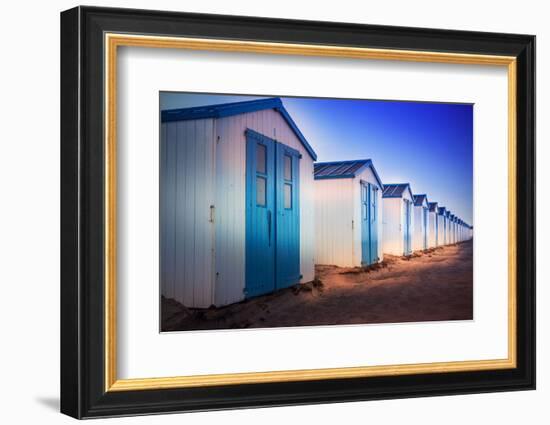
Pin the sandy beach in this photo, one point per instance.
(433, 285)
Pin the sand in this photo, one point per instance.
(434, 285)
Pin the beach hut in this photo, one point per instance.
(451, 228)
(448, 228)
(398, 220)
(442, 226)
(348, 217)
(456, 228)
(433, 225)
(420, 212)
(236, 202)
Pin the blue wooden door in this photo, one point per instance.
(365, 224)
(406, 227)
(260, 216)
(369, 223)
(287, 203)
(373, 201)
(272, 215)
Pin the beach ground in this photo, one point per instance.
(433, 285)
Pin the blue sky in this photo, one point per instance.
(429, 145)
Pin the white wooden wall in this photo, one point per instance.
(392, 224)
(368, 176)
(432, 239)
(187, 191)
(393, 227)
(453, 236)
(334, 222)
(440, 230)
(419, 230)
(231, 196)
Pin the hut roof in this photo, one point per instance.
(343, 169)
(236, 108)
(395, 190)
(419, 199)
(432, 206)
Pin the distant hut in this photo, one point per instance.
(348, 216)
(453, 228)
(448, 231)
(420, 234)
(433, 228)
(442, 226)
(398, 219)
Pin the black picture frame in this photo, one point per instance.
(82, 218)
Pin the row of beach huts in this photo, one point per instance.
(246, 209)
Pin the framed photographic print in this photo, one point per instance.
(261, 212)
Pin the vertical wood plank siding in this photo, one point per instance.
(334, 222)
(419, 228)
(440, 230)
(432, 229)
(187, 192)
(393, 224)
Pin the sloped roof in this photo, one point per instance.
(236, 108)
(395, 190)
(432, 206)
(419, 199)
(343, 169)
(441, 210)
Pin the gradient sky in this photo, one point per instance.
(429, 145)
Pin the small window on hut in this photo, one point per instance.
(288, 196)
(260, 191)
(288, 167)
(261, 153)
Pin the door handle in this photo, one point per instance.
(212, 213)
(269, 226)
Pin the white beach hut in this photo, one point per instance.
(421, 228)
(442, 226)
(433, 225)
(448, 228)
(348, 217)
(398, 220)
(455, 226)
(452, 220)
(236, 202)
